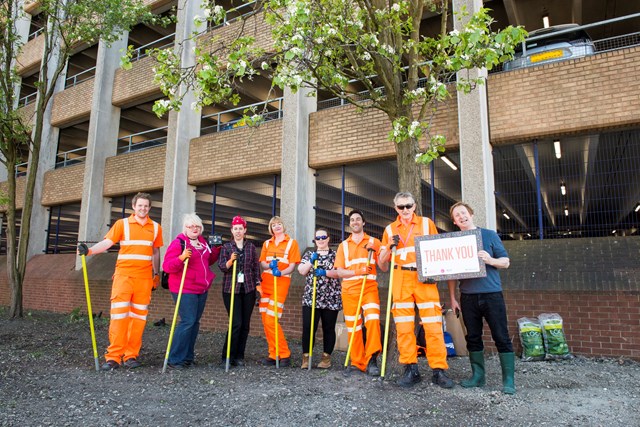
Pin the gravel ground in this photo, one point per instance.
(47, 378)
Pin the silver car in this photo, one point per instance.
(553, 44)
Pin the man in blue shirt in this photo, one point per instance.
(481, 297)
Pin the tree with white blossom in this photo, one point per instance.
(370, 53)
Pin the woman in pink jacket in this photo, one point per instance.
(189, 245)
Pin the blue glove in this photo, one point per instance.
(276, 272)
(314, 257)
(319, 272)
(273, 264)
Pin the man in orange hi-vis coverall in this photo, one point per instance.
(409, 292)
(351, 263)
(278, 259)
(136, 275)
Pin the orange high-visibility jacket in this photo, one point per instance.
(135, 258)
(353, 256)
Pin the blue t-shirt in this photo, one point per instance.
(491, 283)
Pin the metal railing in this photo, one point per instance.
(140, 52)
(221, 126)
(80, 77)
(21, 169)
(126, 144)
(71, 157)
(26, 100)
(235, 13)
(35, 34)
(618, 42)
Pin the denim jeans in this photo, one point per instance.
(491, 307)
(184, 337)
(242, 309)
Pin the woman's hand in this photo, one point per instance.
(185, 254)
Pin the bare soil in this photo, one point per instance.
(48, 378)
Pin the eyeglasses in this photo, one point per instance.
(403, 207)
(193, 227)
(322, 237)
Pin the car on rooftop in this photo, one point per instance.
(553, 44)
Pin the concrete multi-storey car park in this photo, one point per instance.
(574, 250)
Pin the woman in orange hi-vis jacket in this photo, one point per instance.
(278, 259)
(136, 275)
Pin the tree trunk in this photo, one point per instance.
(409, 173)
(15, 306)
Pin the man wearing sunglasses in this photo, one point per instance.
(357, 272)
(409, 292)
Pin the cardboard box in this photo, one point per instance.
(342, 337)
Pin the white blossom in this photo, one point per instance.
(396, 7)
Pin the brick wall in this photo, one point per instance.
(342, 135)
(582, 95)
(254, 26)
(135, 86)
(27, 113)
(237, 153)
(63, 185)
(133, 172)
(599, 319)
(29, 58)
(21, 183)
(73, 105)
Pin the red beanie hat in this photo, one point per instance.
(237, 220)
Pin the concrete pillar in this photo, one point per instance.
(178, 196)
(102, 142)
(298, 182)
(475, 149)
(22, 24)
(47, 161)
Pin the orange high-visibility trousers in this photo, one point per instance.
(267, 302)
(130, 298)
(361, 352)
(426, 297)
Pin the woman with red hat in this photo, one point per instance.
(243, 252)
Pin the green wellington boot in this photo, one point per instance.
(508, 364)
(477, 369)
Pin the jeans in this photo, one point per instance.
(241, 325)
(329, 318)
(491, 307)
(184, 337)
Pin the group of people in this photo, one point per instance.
(344, 279)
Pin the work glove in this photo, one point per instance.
(314, 257)
(276, 272)
(273, 264)
(366, 270)
(185, 254)
(373, 246)
(83, 249)
(395, 240)
(156, 281)
(319, 272)
(233, 257)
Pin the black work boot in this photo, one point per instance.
(410, 377)
(372, 367)
(441, 378)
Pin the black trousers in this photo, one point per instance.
(242, 309)
(329, 318)
(491, 307)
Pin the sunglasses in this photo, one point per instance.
(403, 207)
(322, 237)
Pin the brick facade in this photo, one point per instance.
(579, 96)
(72, 105)
(21, 183)
(342, 135)
(30, 56)
(133, 172)
(599, 320)
(135, 86)
(63, 185)
(234, 154)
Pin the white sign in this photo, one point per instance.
(449, 256)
